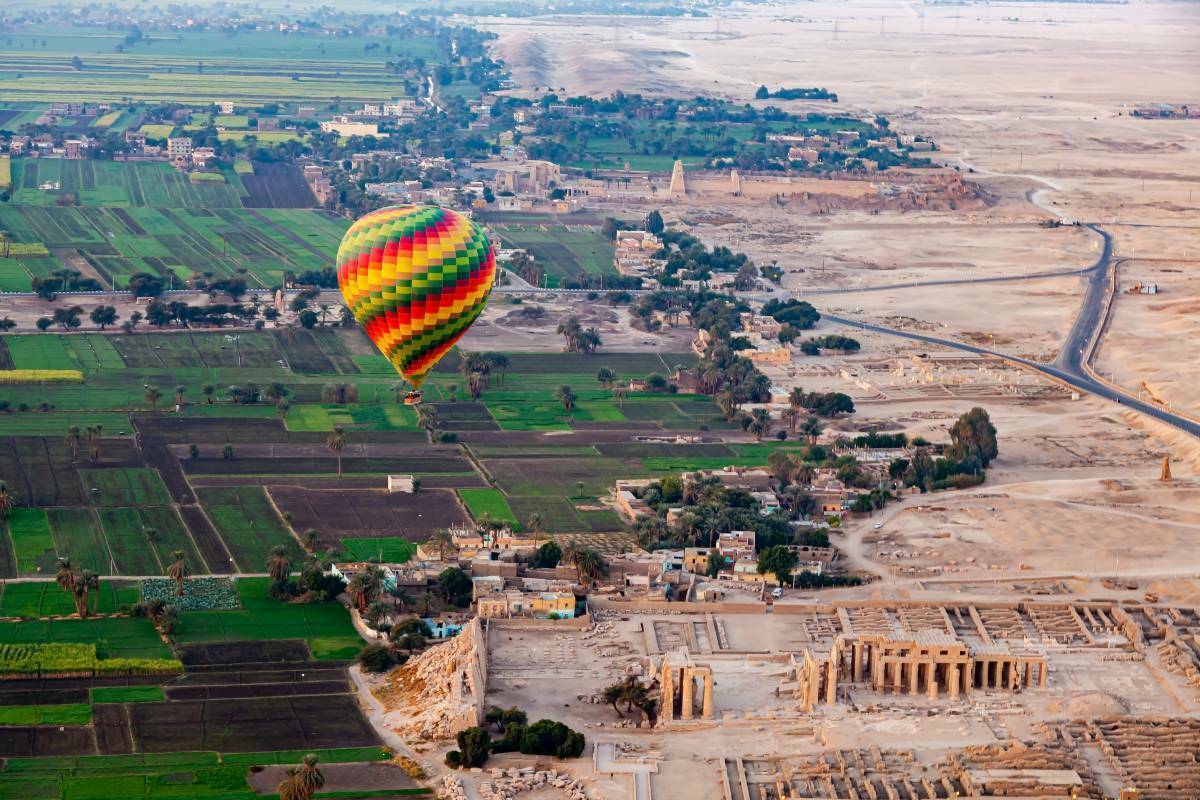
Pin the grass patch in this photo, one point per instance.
(32, 541)
(127, 694)
(490, 502)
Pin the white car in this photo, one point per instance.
(777, 592)
(878, 525)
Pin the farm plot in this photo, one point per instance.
(385, 549)
(562, 251)
(77, 536)
(489, 504)
(549, 475)
(249, 525)
(118, 184)
(32, 541)
(325, 627)
(275, 185)
(198, 776)
(38, 471)
(143, 539)
(124, 487)
(114, 637)
(174, 242)
(369, 513)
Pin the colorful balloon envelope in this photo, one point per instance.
(415, 278)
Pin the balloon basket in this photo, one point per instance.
(412, 398)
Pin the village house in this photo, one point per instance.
(629, 504)
(179, 150)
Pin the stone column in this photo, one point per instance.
(858, 662)
(933, 682)
(831, 679)
(966, 680)
(897, 676)
(1043, 668)
(688, 709)
(667, 712)
(952, 681)
(914, 675)
(706, 712)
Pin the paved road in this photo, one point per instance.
(1069, 366)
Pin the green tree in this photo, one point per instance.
(973, 436)
(474, 746)
(606, 377)
(153, 395)
(760, 423)
(454, 584)
(103, 316)
(762, 93)
(654, 222)
(779, 561)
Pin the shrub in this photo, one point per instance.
(375, 658)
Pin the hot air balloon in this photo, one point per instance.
(415, 278)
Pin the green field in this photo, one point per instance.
(195, 776)
(66, 714)
(562, 251)
(33, 544)
(114, 637)
(136, 217)
(127, 694)
(44, 599)
(490, 502)
(389, 549)
(249, 525)
(247, 67)
(326, 627)
(125, 487)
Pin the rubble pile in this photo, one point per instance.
(452, 789)
(508, 783)
(433, 692)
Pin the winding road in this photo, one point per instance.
(1072, 366)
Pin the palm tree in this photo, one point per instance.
(606, 377)
(500, 363)
(811, 428)
(180, 391)
(207, 390)
(308, 776)
(5, 239)
(153, 395)
(72, 440)
(335, 443)
(279, 565)
(790, 416)
(443, 541)
(590, 565)
(760, 423)
(178, 570)
(94, 434)
(535, 526)
(427, 599)
(7, 501)
(570, 551)
(570, 330)
(88, 582)
(566, 395)
(65, 577)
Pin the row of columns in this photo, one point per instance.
(687, 690)
(1007, 673)
(913, 673)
